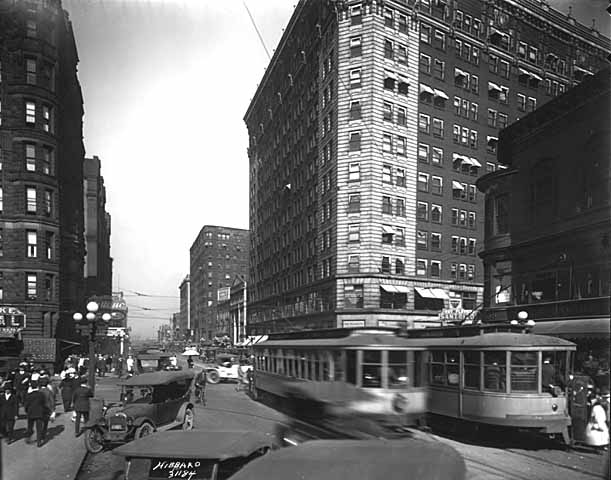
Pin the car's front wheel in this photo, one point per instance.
(144, 430)
(94, 440)
(189, 420)
(213, 376)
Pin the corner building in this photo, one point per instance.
(41, 161)
(367, 134)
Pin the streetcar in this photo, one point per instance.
(369, 371)
(504, 379)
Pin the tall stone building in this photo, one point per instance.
(98, 262)
(218, 255)
(41, 153)
(367, 134)
(183, 324)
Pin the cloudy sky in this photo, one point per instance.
(166, 84)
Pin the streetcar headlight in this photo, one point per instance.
(554, 407)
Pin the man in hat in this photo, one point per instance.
(36, 410)
(21, 382)
(80, 399)
(67, 388)
(49, 402)
(9, 410)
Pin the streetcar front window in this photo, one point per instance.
(553, 372)
(524, 366)
(472, 369)
(398, 375)
(372, 369)
(495, 371)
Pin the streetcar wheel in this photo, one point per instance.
(94, 440)
(189, 420)
(144, 430)
(213, 376)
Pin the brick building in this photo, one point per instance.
(41, 154)
(367, 134)
(217, 256)
(548, 219)
(98, 262)
(184, 315)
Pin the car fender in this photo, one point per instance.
(140, 420)
(180, 416)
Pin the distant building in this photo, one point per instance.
(217, 256)
(367, 133)
(547, 249)
(183, 326)
(98, 262)
(42, 245)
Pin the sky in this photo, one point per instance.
(166, 84)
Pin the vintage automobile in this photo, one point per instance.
(152, 361)
(149, 402)
(226, 367)
(197, 454)
(374, 459)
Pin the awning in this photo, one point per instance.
(426, 89)
(474, 162)
(459, 73)
(403, 79)
(457, 186)
(387, 229)
(439, 293)
(390, 74)
(536, 77)
(530, 74)
(401, 289)
(440, 93)
(490, 138)
(424, 292)
(523, 71)
(389, 288)
(494, 86)
(498, 32)
(575, 328)
(458, 156)
(355, 42)
(582, 70)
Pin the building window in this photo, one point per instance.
(421, 267)
(402, 55)
(470, 272)
(423, 153)
(453, 270)
(425, 63)
(521, 102)
(400, 177)
(424, 123)
(48, 287)
(31, 29)
(30, 157)
(355, 110)
(439, 69)
(437, 127)
(436, 185)
(48, 203)
(389, 49)
(354, 235)
(531, 104)
(356, 48)
(436, 241)
(454, 219)
(425, 33)
(49, 241)
(471, 220)
(31, 286)
(474, 111)
(30, 113)
(400, 236)
(435, 268)
(387, 111)
(355, 78)
(354, 172)
(47, 160)
(386, 174)
(32, 242)
(385, 265)
(30, 71)
(437, 156)
(502, 120)
(354, 264)
(353, 296)
(422, 211)
(387, 143)
(440, 40)
(454, 245)
(1, 200)
(354, 203)
(436, 213)
(354, 143)
(423, 182)
(501, 211)
(401, 145)
(30, 200)
(463, 246)
(472, 193)
(389, 81)
(462, 271)
(386, 205)
(401, 116)
(492, 117)
(356, 15)
(471, 248)
(422, 240)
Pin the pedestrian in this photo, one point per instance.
(108, 362)
(35, 408)
(9, 410)
(21, 382)
(80, 399)
(130, 365)
(101, 366)
(50, 405)
(67, 389)
(597, 432)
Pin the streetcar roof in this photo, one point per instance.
(158, 378)
(362, 459)
(196, 444)
(384, 339)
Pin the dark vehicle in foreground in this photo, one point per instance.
(149, 402)
(197, 454)
(359, 459)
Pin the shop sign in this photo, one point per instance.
(353, 323)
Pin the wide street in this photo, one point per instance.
(519, 458)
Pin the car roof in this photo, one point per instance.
(196, 444)
(158, 378)
(362, 459)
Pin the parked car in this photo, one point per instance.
(149, 402)
(214, 455)
(226, 367)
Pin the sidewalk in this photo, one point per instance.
(61, 456)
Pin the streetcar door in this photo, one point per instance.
(578, 406)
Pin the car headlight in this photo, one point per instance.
(554, 407)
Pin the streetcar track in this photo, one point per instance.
(549, 462)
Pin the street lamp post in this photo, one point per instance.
(91, 318)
